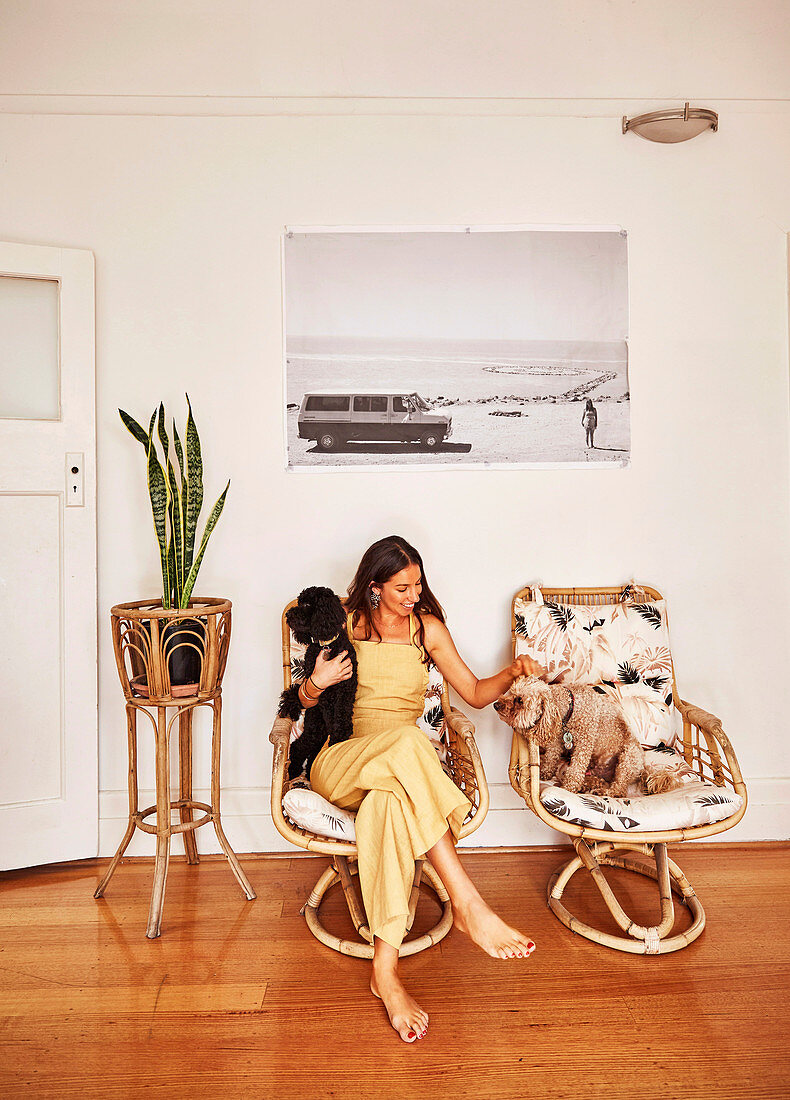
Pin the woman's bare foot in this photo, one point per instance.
(406, 1016)
(490, 932)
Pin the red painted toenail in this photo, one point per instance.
(411, 1035)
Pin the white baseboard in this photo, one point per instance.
(247, 821)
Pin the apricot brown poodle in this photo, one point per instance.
(586, 741)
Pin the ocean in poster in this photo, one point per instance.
(511, 401)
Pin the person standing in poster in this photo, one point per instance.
(590, 422)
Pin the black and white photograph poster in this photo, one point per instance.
(468, 347)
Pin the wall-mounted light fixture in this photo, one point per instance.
(672, 124)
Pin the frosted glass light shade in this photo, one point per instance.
(673, 124)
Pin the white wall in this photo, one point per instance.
(113, 136)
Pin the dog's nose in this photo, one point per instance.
(498, 705)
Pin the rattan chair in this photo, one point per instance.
(463, 764)
(706, 749)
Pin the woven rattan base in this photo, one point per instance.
(650, 860)
(341, 871)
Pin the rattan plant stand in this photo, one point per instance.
(146, 639)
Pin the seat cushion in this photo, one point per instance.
(621, 647)
(694, 802)
(307, 809)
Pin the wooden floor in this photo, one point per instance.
(237, 999)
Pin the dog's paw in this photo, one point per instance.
(572, 782)
(660, 781)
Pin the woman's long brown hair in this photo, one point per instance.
(381, 561)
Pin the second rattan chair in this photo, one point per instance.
(707, 752)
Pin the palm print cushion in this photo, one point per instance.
(695, 802)
(622, 648)
(307, 809)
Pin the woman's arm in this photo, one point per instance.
(305, 698)
(477, 693)
(324, 674)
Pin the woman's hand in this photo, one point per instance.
(525, 666)
(326, 672)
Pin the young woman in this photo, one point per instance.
(389, 772)
(590, 422)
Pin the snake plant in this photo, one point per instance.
(176, 502)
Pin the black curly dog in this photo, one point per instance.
(319, 622)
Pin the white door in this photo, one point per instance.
(48, 728)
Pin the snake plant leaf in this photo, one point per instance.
(175, 515)
(171, 566)
(163, 431)
(180, 456)
(137, 430)
(214, 515)
(176, 532)
(159, 492)
(182, 500)
(194, 488)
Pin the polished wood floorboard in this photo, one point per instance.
(237, 999)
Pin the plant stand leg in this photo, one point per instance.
(216, 748)
(185, 785)
(131, 728)
(162, 826)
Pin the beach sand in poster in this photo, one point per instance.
(510, 402)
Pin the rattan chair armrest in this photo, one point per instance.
(716, 739)
(464, 730)
(279, 737)
(524, 769)
(708, 723)
(460, 724)
(699, 717)
(281, 731)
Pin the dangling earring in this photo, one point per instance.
(375, 598)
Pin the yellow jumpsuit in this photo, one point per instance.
(388, 771)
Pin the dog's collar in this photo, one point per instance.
(325, 644)
(569, 711)
(567, 736)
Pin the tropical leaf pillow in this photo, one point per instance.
(432, 720)
(307, 809)
(621, 647)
